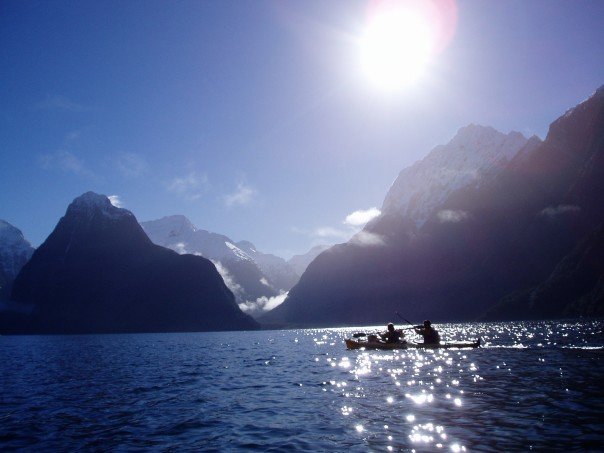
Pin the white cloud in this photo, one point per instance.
(57, 102)
(242, 196)
(235, 287)
(180, 248)
(262, 304)
(352, 230)
(451, 216)
(67, 162)
(360, 217)
(190, 187)
(116, 201)
(131, 165)
(365, 238)
(554, 211)
(265, 282)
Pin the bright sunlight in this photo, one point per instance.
(398, 43)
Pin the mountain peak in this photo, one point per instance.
(479, 129)
(486, 141)
(90, 199)
(175, 223)
(475, 151)
(90, 203)
(475, 129)
(99, 272)
(10, 235)
(246, 246)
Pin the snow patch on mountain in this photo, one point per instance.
(179, 234)
(474, 153)
(237, 251)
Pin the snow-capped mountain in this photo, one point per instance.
(254, 277)
(15, 251)
(176, 232)
(300, 262)
(476, 152)
(99, 272)
(274, 267)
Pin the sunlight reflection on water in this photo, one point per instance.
(533, 386)
(448, 399)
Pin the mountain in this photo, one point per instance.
(99, 272)
(453, 253)
(277, 270)
(574, 288)
(299, 263)
(15, 251)
(243, 269)
(476, 153)
(179, 234)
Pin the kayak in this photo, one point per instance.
(358, 344)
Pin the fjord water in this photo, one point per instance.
(535, 385)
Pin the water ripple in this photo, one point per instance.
(533, 386)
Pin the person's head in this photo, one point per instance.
(427, 323)
(390, 327)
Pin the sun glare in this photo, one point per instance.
(398, 43)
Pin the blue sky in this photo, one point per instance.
(253, 118)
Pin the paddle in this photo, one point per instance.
(406, 320)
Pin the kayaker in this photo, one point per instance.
(392, 335)
(429, 333)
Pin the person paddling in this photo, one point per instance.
(392, 335)
(430, 334)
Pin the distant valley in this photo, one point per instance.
(258, 280)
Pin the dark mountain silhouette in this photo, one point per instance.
(483, 242)
(99, 272)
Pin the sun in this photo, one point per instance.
(397, 45)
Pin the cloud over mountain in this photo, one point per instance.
(361, 217)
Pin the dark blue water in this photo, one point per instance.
(534, 386)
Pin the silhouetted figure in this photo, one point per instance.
(392, 335)
(429, 333)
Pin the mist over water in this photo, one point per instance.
(535, 385)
